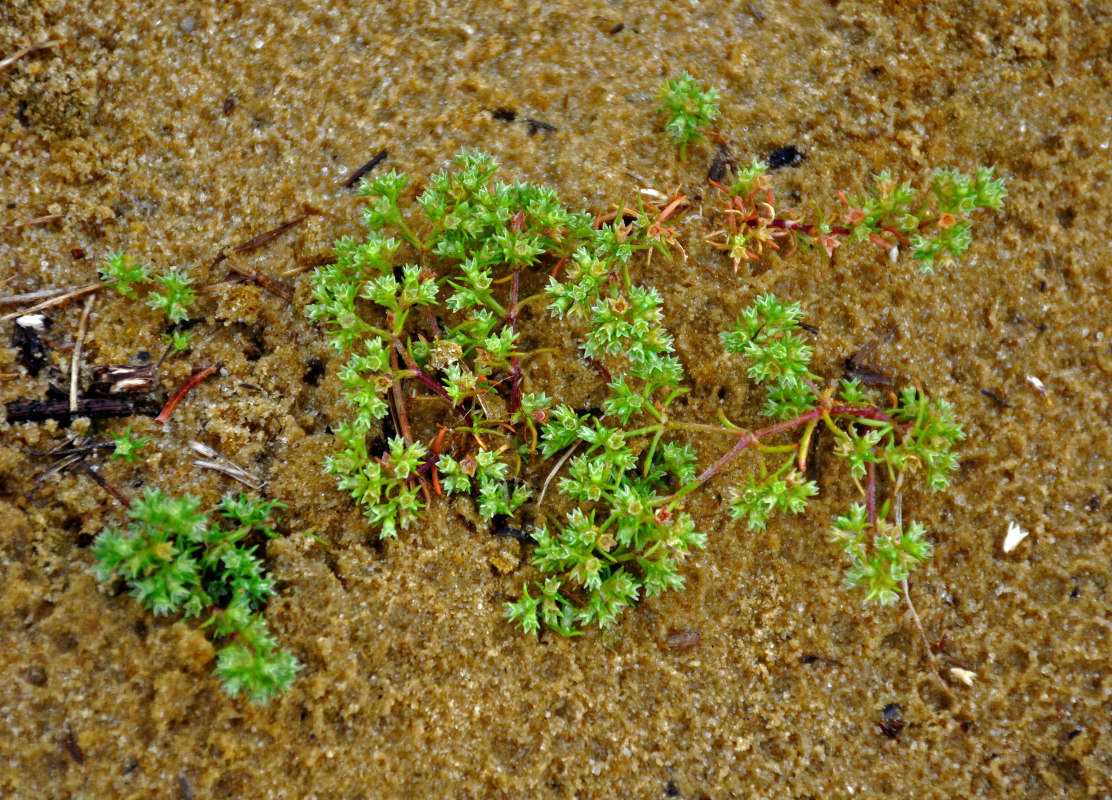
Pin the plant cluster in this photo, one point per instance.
(891, 215)
(175, 560)
(439, 403)
(690, 109)
(123, 274)
(880, 445)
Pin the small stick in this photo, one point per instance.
(92, 407)
(914, 613)
(123, 499)
(71, 745)
(262, 280)
(30, 297)
(123, 379)
(220, 464)
(75, 366)
(70, 295)
(184, 389)
(269, 235)
(363, 170)
(35, 221)
(31, 48)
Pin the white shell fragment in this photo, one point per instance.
(964, 675)
(35, 322)
(1013, 537)
(1040, 387)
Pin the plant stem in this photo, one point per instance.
(515, 360)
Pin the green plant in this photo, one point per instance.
(889, 214)
(178, 340)
(178, 296)
(174, 560)
(446, 374)
(128, 445)
(689, 107)
(915, 437)
(121, 273)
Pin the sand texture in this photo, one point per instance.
(177, 131)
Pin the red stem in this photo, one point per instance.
(184, 389)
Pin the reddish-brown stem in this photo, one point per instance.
(185, 389)
(399, 400)
(752, 438)
(103, 482)
(746, 440)
(515, 361)
(420, 375)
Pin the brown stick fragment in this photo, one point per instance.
(75, 365)
(185, 389)
(684, 641)
(103, 482)
(70, 742)
(91, 407)
(35, 221)
(267, 236)
(262, 280)
(70, 295)
(30, 297)
(380, 156)
(31, 48)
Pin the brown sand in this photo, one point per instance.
(176, 131)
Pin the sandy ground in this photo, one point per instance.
(180, 132)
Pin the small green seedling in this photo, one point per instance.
(128, 445)
(121, 273)
(176, 561)
(178, 340)
(690, 109)
(178, 296)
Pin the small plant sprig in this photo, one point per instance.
(120, 272)
(175, 560)
(894, 444)
(178, 296)
(128, 445)
(690, 109)
(936, 229)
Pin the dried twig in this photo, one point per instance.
(221, 464)
(30, 297)
(262, 238)
(75, 366)
(35, 221)
(69, 295)
(363, 170)
(261, 279)
(31, 48)
(123, 379)
(184, 389)
(103, 482)
(91, 407)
